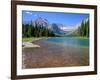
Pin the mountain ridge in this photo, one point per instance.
(57, 28)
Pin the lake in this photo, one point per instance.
(57, 52)
(70, 41)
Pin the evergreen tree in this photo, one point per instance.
(36, 31)
(83, 29)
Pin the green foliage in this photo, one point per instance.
(36, 31)
(31, 39)
(83, 29)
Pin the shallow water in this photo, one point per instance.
(56, 53)
(70, 41)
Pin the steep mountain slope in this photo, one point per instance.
(41, 22)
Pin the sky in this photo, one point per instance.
(68, 19)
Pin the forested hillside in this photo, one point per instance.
(28, 30)
(42, 28)
(83, 29)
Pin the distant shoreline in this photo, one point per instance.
(32, 39)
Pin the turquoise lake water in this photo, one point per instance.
(70, 41)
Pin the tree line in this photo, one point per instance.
(28, 30)
(83, 29)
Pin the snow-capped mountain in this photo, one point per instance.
(41, 22)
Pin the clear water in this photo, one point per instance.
(70, 41)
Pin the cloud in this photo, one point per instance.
(29, 13)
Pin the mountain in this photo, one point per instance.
(57, 28)
(41, 22)
(45, 23)
(81, 29)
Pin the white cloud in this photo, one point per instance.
(29, 13)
